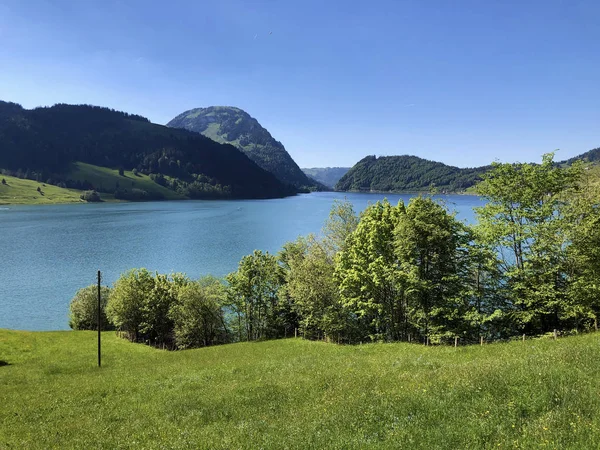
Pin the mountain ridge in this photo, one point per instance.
(44, 142)
(233, 125)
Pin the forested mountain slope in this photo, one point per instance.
(234, 126)
(44, 143)
(406, 173)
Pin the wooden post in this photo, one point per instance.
(523, 338)
(99, 322)
(555, 334)
(455, 341)
(427, 341)
(481, 340)
(409, 338)
(295, 332)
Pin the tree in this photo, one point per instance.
(252, 295)
(583, 213)
(197, 314)
(90, 196)
(524, 222)
(311, 290)
(342, 221)
(366, 271)
(432, 249)
(125, 308)
(83, 309)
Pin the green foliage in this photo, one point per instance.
(90, 196)
(524, 222)
(310, 288)
(406, 173)
(44, 143)
(366, 271)
(197, 314)
(432, 249)
(253, 296)
(340, 224)
(127, 302)
(83, 310)
(231, 125)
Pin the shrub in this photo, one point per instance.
(135, 172)
(197, 314)
(121, 171)
(90, 196)
(3, 181)
(126, 303)
(83, 310)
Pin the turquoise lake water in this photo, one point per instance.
(48, 252)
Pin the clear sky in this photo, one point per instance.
(462, 82)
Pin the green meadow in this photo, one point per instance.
(20, 191)
(109, 179)
(294, 393)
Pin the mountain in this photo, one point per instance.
(45, 143)
(592, 156)
(406, 173)
(227, 124)
(328, 176)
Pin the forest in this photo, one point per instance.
(407, 173)
(412, 272)
(43, 144)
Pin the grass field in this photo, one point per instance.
(18, 191)
(103, 177)
(297, 394)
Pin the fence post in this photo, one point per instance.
(427, 341)
(99, 322)
(523, 337)
(295, 332)
(555, 334)
(481, 340)
(455, 341)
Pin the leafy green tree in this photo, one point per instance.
(366, 271)
(198, 315)
(156, 325)
(311, 290)
(340, 224)
(253, 296)
(524, 222)
(125, 308)
(432, 249)
(583, 213)
(83, 310)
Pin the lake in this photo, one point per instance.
(48, 252)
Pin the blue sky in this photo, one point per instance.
(463, 82)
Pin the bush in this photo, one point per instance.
(90, 196)
(3, 181)
(126, 304)
(135, 172)
(197, 314)
(83, 311)
(121, 171)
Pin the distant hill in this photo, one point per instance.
(406, 173)
(45, 143)
(227, 124)
(592, 156)
(328, 176)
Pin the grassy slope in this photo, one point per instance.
(108, 178)
(297, 394)
(18, 191)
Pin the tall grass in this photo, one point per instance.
(297, 394)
